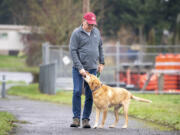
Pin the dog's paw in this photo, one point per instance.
(101, 126)
(112, 126)
(95, 126)
(125, 126)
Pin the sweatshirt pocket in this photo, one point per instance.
(83, 58)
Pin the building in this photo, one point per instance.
(12, 38)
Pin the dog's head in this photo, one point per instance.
(92, 80)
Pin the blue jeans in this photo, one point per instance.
(77, 91)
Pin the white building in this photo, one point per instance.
(12, 38)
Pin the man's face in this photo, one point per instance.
(87, 27)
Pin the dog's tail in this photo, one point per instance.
(140, 99)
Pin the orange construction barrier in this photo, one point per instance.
(160, 59)
(135, 79)
(169, 65)
(122, 77)
(128, 74)
(168, 62)
(177, 60)
(152, 85)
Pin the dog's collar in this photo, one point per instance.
(97, 88)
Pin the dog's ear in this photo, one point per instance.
(94, 84)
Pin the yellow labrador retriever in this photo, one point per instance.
(105, 97)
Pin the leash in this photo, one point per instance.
(98, 75)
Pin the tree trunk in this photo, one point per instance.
(141, 37)
(177, 30)
(86, 6)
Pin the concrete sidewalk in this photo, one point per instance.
(45, 118)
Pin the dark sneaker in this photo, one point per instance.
(85, 123)
(76, 123)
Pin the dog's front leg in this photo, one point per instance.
(97, 117)
(104, 118)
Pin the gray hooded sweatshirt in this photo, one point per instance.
(86, 51)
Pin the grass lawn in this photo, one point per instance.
(6, 123)
(32, 92)
(14, 63)
(165, 109)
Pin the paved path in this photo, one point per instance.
(45, 118)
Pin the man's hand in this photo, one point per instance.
(82, 72)
(100, 68)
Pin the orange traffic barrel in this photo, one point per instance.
(169, 63)
(152, 85)
(170, 82)
(160, 60)
(177, 61)
(178, 81)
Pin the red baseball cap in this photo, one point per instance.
(90, 18)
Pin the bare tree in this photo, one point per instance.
(57, 18)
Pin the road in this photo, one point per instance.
(17, 76)
(44, 118)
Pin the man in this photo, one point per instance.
(86, 51)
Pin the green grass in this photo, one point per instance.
(32, 92)
(6, 123)
(14, 63)
(14, 82)
(164, 110)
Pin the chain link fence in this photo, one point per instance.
(124, 64)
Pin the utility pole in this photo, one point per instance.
(177, 33)
(86, 6)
